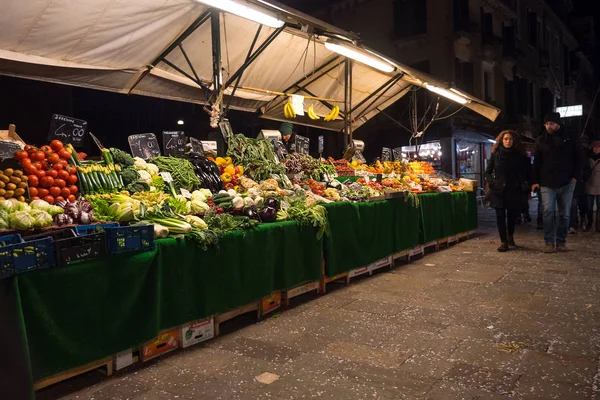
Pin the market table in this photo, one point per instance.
(64, 317)
(362, 233)
(83, 312)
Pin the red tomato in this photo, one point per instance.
(19, 155)
(63, 174)
(60, 182)
(53, 173)
(33, 190)
(72, 170)
(47, 181)
(53, 159)
(59, 166)
(35, 198)
(73, 189)
(64, 154)
(30, 170)
(42, 192)
(40, 174)
(59, 198)
(56, 145)
(27, 147)
(49, 199)
(26, 161)
(38, 156)
(65, 192)
(72, 198)
(64, 162)
(38, 165)
(54, 191)
(72, 179)
(33, 181)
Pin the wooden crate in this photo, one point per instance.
(165, 342)
(226, 316)
(270, 303)
(62, 376)
(399, 255)
(286, 295)
(327, 279)
(416, 251)
(435, 245)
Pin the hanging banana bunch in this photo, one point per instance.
(311, 112)
(288, 110)
(333, 114)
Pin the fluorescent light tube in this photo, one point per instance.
(359, 56)
(244, 11)
(446, 93)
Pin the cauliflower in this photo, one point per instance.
(138, 163)
(145, 176)
(206, 193)
(196, 221)
(198, 195)
(152, 169)
(199, 207)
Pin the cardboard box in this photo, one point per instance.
(124, 359)
(384, 262)
(197, 331)
(358, 272)
(271, 303)
(164, 343)
(416, 250)
(10, 135)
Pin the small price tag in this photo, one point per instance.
(367, 180)
(185, 193)
(166, 177)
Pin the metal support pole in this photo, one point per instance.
(348, 102)
(215, 31)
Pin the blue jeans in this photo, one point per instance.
(557, 232)
(590, 209)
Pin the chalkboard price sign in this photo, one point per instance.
(397, 152)
(197, 146)
(173, 143)
(386, 154)
(302, 144)
(144, 145)
(8, 149)
(321, 144)
(67, 130)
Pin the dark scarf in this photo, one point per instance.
(508, 156)
(512, 162)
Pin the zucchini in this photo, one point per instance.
(222, 196)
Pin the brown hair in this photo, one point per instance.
(517, 144)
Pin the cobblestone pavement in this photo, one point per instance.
(463, 323)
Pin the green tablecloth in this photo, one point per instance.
(69, 316)
(362, 233)
(84, 312)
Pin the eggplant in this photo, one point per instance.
(268, 214)
(271, 202)
(251, 213)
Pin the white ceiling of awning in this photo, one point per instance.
(109, 45)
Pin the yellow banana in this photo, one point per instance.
(337, 112)
(333, 114)
(311, 113)
(288, 110)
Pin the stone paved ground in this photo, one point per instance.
(463, 323)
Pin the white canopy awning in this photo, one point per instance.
(116, 45)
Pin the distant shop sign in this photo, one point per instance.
(570, 111)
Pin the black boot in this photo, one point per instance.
(511, 241)
(503, 247)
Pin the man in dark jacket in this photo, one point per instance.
(556, 169)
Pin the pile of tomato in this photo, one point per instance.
(49, 174)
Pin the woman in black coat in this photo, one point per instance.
(507, 177)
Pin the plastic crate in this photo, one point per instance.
(130, 238)
(55, 234)
(80, 248)
(7, 269)
(27, 256)
(82, 230)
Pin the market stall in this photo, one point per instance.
(120, 254)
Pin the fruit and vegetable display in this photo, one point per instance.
(193, 197)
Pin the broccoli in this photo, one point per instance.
(121, 157)
(158, 183)
(137, 186)
(129, 175)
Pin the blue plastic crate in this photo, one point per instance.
(27, 256)
(6, 241)
(130, 238)
(83, 230)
